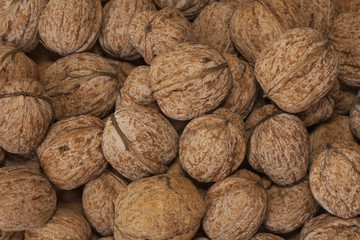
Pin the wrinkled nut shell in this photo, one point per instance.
(318, 112)
(266, 236)
(322, 14)
(189, 8)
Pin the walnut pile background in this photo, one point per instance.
(179, 119)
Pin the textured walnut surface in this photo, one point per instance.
(347, 6)
(266, 236)
(189, 8)
(345, 101)
(318, 112)
(322, 14)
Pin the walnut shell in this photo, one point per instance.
(169, 205)
(71, 153)
(190, 80)
(82, 83)
(139, 142)
(25, 115)
(70, 26)
(334, 178)
(98, 200)
(189, 8)
(27, 199)
(266, 236)
(297, 69)
(345, 101)
(11, 235)
(344, 35)
(156, 32)
(322, 14)
(318, 112)
(122, 68)
(342, 6)
(236, 207)
(114, 37)
(64, 223)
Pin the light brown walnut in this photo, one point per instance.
(189, 8)
(318, 112)
(122, 68)
(266, 236)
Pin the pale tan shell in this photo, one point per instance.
(322, 14)
(71, 154)
(212, 27)
(236, 207)
(318, 112)
(329, 227)
(242, 95)
(19, 23)
(15, 64)
(159, 207)
(98, 199)
(29, 160)
(354, 119)
(82, 83)
(70, 26)
(65, 224)
(175, 168)
(344, 35)
(25, 115)
(189, 8)
(190, 80)
(334, 178)
(139, 142)
(11, 235)
(122, 68)
(345, 101)
(297, 69)
(27, 199)
(266, 236)
(220, 133)
(342, 6)
(114, 37)
(156, 32)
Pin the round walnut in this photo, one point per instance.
(326, 226)
(222, 134)
(158, 207)
(189, 8)
(70, 26)
(344, 35)
(114, 37)
(25, 115)
(27, 199)
(266, 236)
(71, 154)
(334, 178)
(98, 200)
(190, 80)
(156, 32)
(322, 14)
(64, 223)
(11, 235)
(297, 69)
(82, 83)
(236, 207)
(15, 64)
(139, 142)
(318, 112)
(18, 23)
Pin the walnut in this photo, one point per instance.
(114, 37)
(71, 153)
(344, 35)
(190, 80)
(266, 236)
(297, 69)
(236, 207)
(70, 26)
(318, 112)
(65, 224)
(27, 199)
(42, 67)
(322, 14)
(25, 115)
(11, 235)
(139, 142)
(98, 200)
(175, 168)
(122, 68)
(156, 32)
(342, 6)
(82, 83)
(334, 178)
(169, 205)
(189, 8)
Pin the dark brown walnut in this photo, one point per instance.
(98, 200)
(29, 160)
(27, 199)
(156, 32)
(25, 115)
(322, 14)
(71, 154)
(122, 68)
(236, 207)
(297, 69)
(344, 35)
(334, 178)
(354, 119)
(318, 112)
(19, 23)
(15, 64)
(279, 147)
(214, 20)
(256, 24)
(290, 207)
(11, 235)
(242, 95)
(222, 134)
(345, 100)
(189, 8)
(159, 207)
(190, 80)
(64, 224)
(82, 83)
(114, 37)
(347, 6)
(139, 142)
(326, 226)
(70, 26)
(266, 236)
